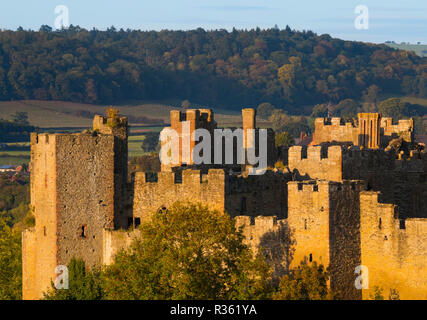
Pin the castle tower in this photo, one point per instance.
(324, 219)
(249, 122)
(185, 123)
(369, 130)
(77, 184)
(117, 127)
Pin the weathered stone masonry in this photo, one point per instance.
(340, 206)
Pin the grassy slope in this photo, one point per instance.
(417, 48)
(48, 114)
(57, 114)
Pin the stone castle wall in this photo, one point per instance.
(73, 196)
(318, 210)
(324, 223)
(371, 131)
(394, 250)
(335, 129)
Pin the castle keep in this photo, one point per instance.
(346, 201)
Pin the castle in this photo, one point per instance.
(343, 202)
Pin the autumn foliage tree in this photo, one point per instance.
(188, 252)
(309, 281)
(10, 263)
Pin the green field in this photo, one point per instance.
(419, 49)
(134, 146)
(60, 114)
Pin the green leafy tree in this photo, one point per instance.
(150, 142)
(10, 263)
(307, 282)
(83, 284)
(393, 107)
(21, 118)
(347, 108)
(284, 139)
(264, 110)
(377, 294)
(186, 104)
(320, 111)
(188, 252)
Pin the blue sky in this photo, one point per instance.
(395, 20)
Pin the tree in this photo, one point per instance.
(393, 107)
(320, 111)
(186, 104)
(307, 282)
(20, 118)
(264, 110)
(83, 284)
(347, 108)
(377, 294)
(10, 263)
(284, 139)
(371, 94)
(188, 252)
(150, 142)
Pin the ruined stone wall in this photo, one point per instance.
(86, 195)
(73, 196)
(402, 180)
(237, 194)
(308, 220)
(316, 162)
(169, 187)
(395, 251)
(39, 250)
(255, 195)
(114, 241)
(273, 235)
(29, 259)
(323, 220)
(404, 128)
(345, 236)
(371, 131)
(119, 129)
(204, 119)
(335, 129)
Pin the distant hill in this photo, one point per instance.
(419, 49)
(287, 68)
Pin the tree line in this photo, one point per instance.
(287, 68)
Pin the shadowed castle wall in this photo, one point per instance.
(73, 195)
(236, 194)
(324, 222)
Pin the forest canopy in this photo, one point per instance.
(286, 68)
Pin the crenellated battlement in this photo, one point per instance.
(199, 118)
(314, 153)
(316, 162)
(106, 125)
(324, 186)
(189, 177)
(335, 121)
